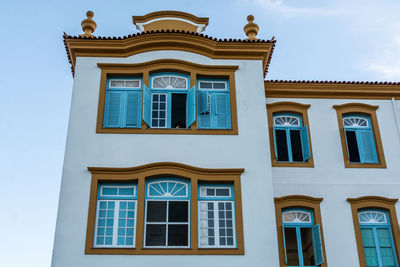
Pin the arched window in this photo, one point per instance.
(359, 139)
(377, 238)
(302, 238)
(167, 205)
(291, 138)
(169, 103)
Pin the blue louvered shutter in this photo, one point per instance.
(112, 116)
(133, 107)
(284, 242)
(222, 117)
(203, 104)
(317, 244)
(305, 143)
(191, 107)
(146, 105)
(370, 253)
(367, 145)
(386, 249)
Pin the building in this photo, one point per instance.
(180, 153)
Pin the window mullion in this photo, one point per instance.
(166, 224)
(216, 224)
(377, 246)
(360, 146)
(289, 145)
(116, 221)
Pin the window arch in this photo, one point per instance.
(360, 137)
(289, 135)
(169, 81)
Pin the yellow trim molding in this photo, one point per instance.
(140, 174)
(144, 70)
(362, 109)
(331, 90)
(297, 201)
(290, 107)
(377, 202)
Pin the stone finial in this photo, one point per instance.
(88, 25)
(251, 29)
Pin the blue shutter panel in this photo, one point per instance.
(367, 144)
(317, 243)
(284, 242)
(191, 107)
(112, 116)
(133, 108)
(202, 102)
(305, 143)
(222, 114)
(146, 105)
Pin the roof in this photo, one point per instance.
(173, 39)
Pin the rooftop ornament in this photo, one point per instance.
(251, 29)
(88, 25)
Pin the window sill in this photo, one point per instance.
(167, 131)
(347, 164)
(309, 164)
(165, 251)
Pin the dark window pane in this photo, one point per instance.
(177, 235)
(178, 111)
(155, 106)
(156, 211)
(292, 254)
(162, 106)
(162, 97)
(155, 97)
(281, 145)
(307, 246)
(295, 141)
(154, 123)
(155, 235)
(178, 211)
(161, 123)
(352, 147)
(222, 192)
(155, 114)
(210, 192)
(162, 114)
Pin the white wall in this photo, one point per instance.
(333, 182)
(247, 150)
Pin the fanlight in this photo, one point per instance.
(296, 216)
(169, 82)
(372, 217)
(286, 120)
(167, 189)
(355, 122)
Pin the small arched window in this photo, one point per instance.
(377, 238)
(291, 138)
(169, 81)
(302, 239)
(359, 139)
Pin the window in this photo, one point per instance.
(164, 99)
(216, 216)
(289, 135)
(359, 139)
(123, 103)
(115, 215)
(169, 103)
(377, 238)
(376, 229)
(359, 133)
(299, 229)
(291, 138)
(213, 105)
(167, 213)
(302, 238)
(141, 210)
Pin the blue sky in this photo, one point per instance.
(317, 40)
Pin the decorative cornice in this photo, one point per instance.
(164, 165)
(168, 40)
(309, 199)
(289, 104)
(332, 90)
(379, 199)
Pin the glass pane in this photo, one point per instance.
(210, 192)
(133, 84)
(126, 191)
(292, 254)
(155, 235)
(295, 141)
(352, 146)
(370, 253)
(178, 211)
(109, 191)
(307, 246)
(281, 145)
(178, 235)
(219, 85)
(222, 192)
(156, 211)
(117, 83)
(205, 85)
